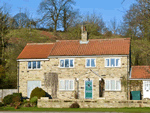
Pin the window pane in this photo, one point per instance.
(92, 62)
(38, 64)
(61, 85)
(87, 62)
(107, 62)
(66, 84)
(66, 62)
(71, 63)
(112, 62)
(71, 84)
(118, 85)
(34, 64)
(117, 62)
(107, 85)
(61, 63)
(112, 84)
(29, 65)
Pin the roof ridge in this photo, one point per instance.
(38, 43)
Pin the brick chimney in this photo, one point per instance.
(84, 35)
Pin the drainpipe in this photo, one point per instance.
(18, 75)
(127, 77)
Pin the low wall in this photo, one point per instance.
(44, 102)
(6, 92)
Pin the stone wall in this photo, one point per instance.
(6, 92)
(44, 102)
(79, 71)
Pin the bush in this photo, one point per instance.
(8, 99)
(24, 100)
(16, 99)
(39, 92)
(1, 104)
(17, 94)
(75, 105)
(34, 99)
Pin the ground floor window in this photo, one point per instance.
(66, 85)
(112, 85)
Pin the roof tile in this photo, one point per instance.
(140, 72)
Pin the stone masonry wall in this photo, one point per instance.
(79, 71)
(44, 102)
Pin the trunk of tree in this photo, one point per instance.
(64, 20)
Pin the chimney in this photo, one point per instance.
(84, 35)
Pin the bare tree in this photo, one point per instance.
(113, 26)
(51, 10)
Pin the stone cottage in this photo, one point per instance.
(87, 68)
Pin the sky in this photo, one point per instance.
(108, 9)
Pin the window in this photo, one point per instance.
(90, 62)
(66, 63)
(112, 62)
(112, 85)
(34, 65)
(66, 84)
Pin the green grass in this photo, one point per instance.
(146, 109)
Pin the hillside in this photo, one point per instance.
(18, 38)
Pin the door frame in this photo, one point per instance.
(85, 87)
(144, 88)
(27, 85)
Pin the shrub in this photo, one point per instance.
(17, 94)
(7, 99)
(75, 105)
(24, 100)
(16, 99)
(34, 99)
(1, 104)
(39, 92)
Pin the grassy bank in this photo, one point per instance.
(77, 109)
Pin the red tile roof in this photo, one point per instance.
(119, 46)
(36, 50)
(140, 72)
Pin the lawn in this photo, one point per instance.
(77, 109)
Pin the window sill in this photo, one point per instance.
(113, 90)
(66, 67)
(90, 67)
(34, 69)
(112, 67)
(66, 90)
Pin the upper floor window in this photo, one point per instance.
(112, 85)
(90, 62)
(34, 64)
(67, 63)
(112, 62)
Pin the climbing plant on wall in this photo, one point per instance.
(51, 80)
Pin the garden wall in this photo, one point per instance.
(6, 92)
(44, 102)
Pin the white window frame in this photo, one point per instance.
(110, 85)
(65, 85)
(32, 65)
(90, 62)
(119, 63)
(64, 63)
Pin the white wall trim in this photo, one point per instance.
(32, 60)
(88, 56)
(139, 79)
(130, 73)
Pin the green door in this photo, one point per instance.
(88, 89)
